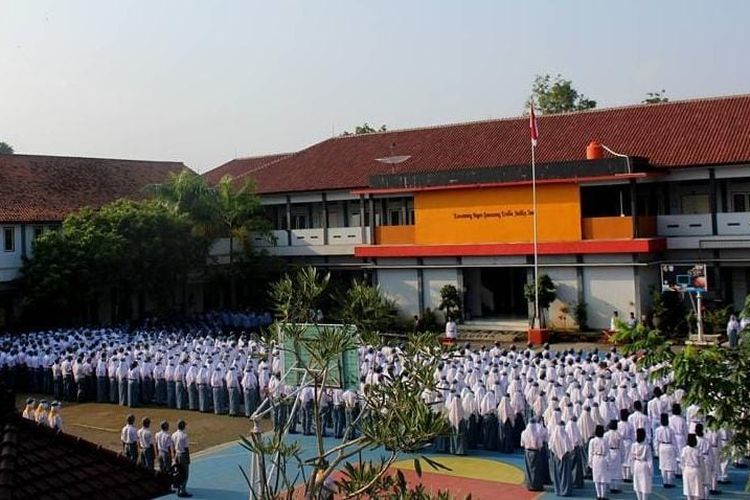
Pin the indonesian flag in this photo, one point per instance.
(533, 128)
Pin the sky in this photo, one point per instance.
(203, 82)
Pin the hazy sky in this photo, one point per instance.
(206, 81)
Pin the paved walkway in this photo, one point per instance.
(215, 474)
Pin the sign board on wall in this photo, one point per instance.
(497, 215)
(684, 278)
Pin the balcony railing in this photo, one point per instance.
(394, 235)
(733, 224)
(684, 225)
(616, 228)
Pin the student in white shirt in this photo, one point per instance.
(164, 447)
(146, 444)
(182, 457)
(129, 439)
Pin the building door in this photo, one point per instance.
(501, 292)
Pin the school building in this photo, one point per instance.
(37, 192)
(414, 210)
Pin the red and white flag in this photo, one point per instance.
(533, 128)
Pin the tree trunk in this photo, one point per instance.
(232, 284)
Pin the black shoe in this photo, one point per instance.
(615, 491)
(627, 480)
(725, 482)
(184, 495)
(714, 492)
(669, 485)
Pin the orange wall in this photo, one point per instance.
(497, 215)
(394, 235)
(607, 228)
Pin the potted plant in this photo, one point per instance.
(547, 294)
(657, 307)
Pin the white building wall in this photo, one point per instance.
(608, 289)
(401, 286)
(433, 281)
(561, 312)
(10, 262)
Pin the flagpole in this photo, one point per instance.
(537, 319)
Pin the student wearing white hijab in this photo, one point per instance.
(532, 442)
(505, 428)
(560, 460)
(458, 426)
(490, 425)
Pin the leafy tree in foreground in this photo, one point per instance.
(392, 415)
(557, 95)
(6, 149)
(717, 379)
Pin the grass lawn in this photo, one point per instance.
(101, 423)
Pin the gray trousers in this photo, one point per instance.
(183, 460)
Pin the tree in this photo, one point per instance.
(450, 302)
(547, 295)
(557, 95)
(295, 296)
(655, 97)
(121, 250)
(365, 128)
(226, 210)
(368, 309)
(408, 430)
(716, 379)
(6, 149)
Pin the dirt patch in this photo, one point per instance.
(101, 423)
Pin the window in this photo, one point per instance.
(695, 204)
(38, 230)
(740, 202)
(9, 239)
(395, 217)
(299, 222)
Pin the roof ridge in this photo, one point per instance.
(539, 117)
(97, 158)
(259, 156)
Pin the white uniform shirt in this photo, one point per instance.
(129, 434)
(180, 441)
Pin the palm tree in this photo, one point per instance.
(220, 211)
(188, 193)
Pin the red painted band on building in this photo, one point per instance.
(642, 245)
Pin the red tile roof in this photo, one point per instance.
(47, 188)
(39, 462)
(241, 166)
(710, 131)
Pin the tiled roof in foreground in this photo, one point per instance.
(39, 462)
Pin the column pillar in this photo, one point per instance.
(289, 220)
(325, 219)
(713, 189)
(634, 207)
